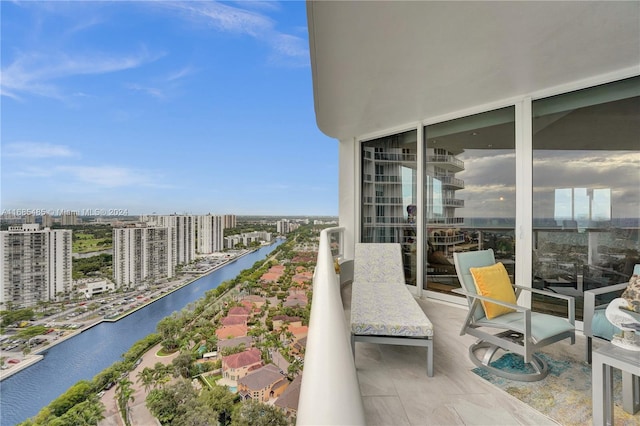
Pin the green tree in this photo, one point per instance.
(221, 400)
(124, 394)
(171, 401)
(74, 395)
(87, 413)
(146, 378)
(182, 365)
(168, 328)
(253, 413)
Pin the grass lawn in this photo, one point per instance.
(86, 243)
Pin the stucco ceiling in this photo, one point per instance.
(377, 65)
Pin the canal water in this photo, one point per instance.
(85, 355)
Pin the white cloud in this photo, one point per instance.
(181, 73)
(35, 73)
(285, 47)
(152, 91)
(36, 150)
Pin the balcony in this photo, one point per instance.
(390, 385)
(450, 182)
(446, 162)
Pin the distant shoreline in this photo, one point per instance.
(36, 355)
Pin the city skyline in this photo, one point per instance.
(162, 107)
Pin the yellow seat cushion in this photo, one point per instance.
(493, 281)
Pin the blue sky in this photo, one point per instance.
(156, 106)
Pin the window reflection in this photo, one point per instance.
(470, 192)
(389, 195)
(586, 188)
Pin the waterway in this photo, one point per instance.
(82, 357)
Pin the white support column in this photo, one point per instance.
(348, 192)
(420, 217)
(524, 197)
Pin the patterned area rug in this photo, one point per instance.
(564, 395)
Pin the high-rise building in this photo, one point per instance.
(184, 229)
(69, 218)
(142, 253)
(47, 220)
(229, 221)
(36, 264)
(210, 233)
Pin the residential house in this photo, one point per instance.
(294, 300)
(288, 401)
(303, 277)
(239, 311)
(298, 331)
(247, 341)
(263, 384)
(279, 320)
(299, 346)
(236, 366)
(234, 320)
(257, 301)
(230, 331)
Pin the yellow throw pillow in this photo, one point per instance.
(493, 281)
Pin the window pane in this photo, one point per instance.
(586, 188)
(469, 192)
(389, 195)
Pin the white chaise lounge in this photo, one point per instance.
(383, 309)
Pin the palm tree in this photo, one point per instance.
(146, 378)
(124, 394)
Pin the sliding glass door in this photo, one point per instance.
(389, 195)
(469, 199)
(580, 162)
(586, 188)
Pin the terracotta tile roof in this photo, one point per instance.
(302, 277)
(296, 298)
(249, 357)
(303, 330)
(270, 277)
(227, 331)
(238, 310)
(285, 318)
(235, 320)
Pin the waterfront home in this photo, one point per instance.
(236, 366)
(462, 126)
(247, 341)
(230, 331)
(234, 320)
(255, 300)
(239, 311)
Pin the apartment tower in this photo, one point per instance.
(142, 253)
(36, 265)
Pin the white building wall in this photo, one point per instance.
(210, 234)
(142, 253)
(35, 264)
(60, 262)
